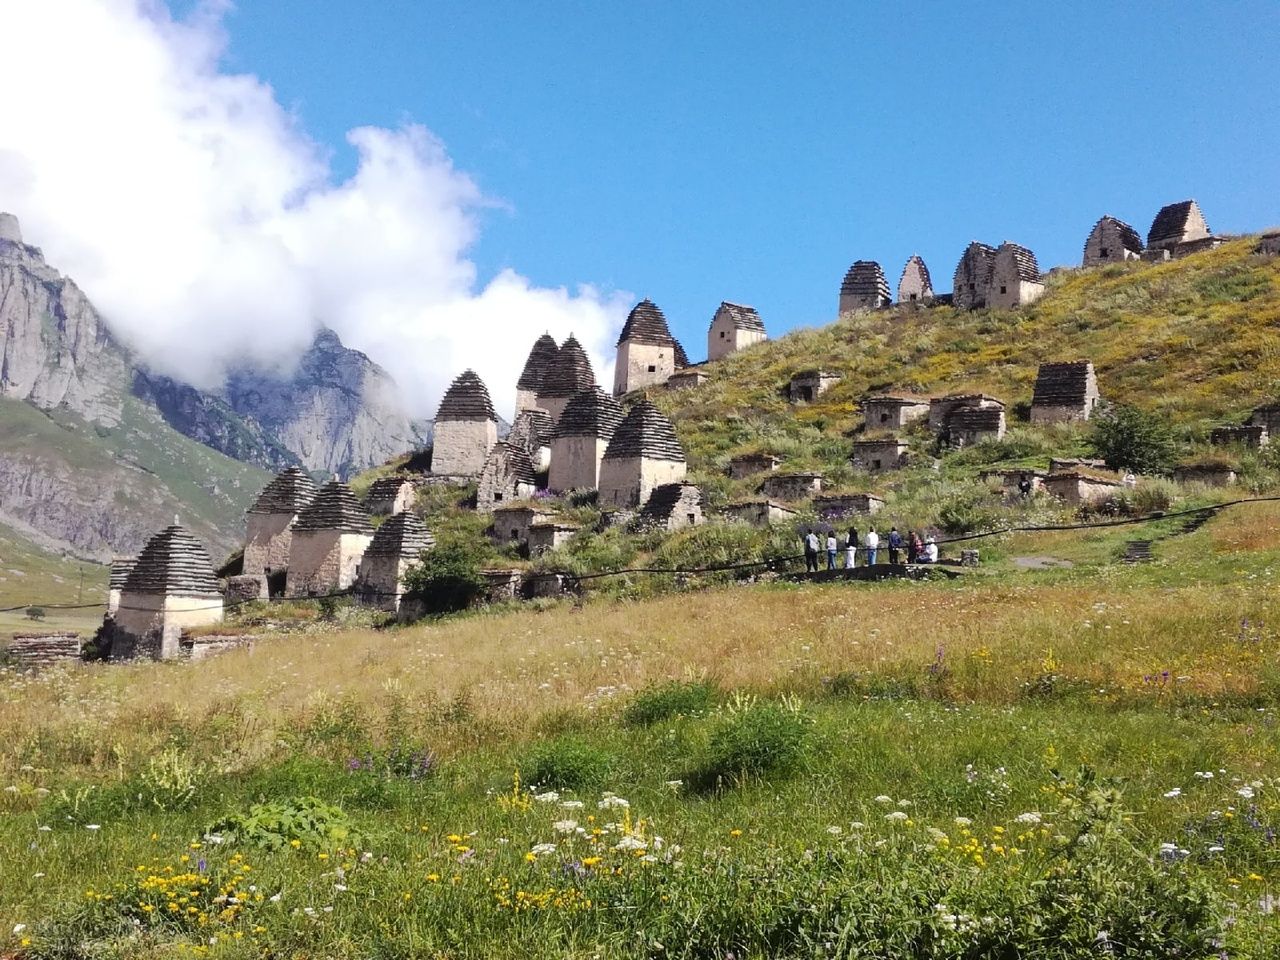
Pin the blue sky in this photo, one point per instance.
(693, 152)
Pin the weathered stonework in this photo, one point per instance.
(547, 535)
(570, 375)
(397, 545)
(791, 487)
(892, 413)
(36, 651)
(1111, 241)
(1009, 481)
(466, 428)
(329, 538)
(388, 496)
(687, 379)
(733, 328)
(759, 513)
(864, 288)
(269, 522)
(1015, 277)
(541, 359)
(511, 524)
(245, 589)
(643, 454)
(833, 506)
(1250, 435)
(1177, 225)
(503, 585)
(1267, 416)
(915, 285)
(170, 589)
(941, 408)
(1078, 488)
(970, 425)
(972, 280)
(647, 352)
(807, 385)
(532, 432)
(672, 506)
(1209, 474)
(876, 456)
(121, 567)
(1064, 391)
(749, 464)
(1269, 244)
(507, 475)
(581, 438)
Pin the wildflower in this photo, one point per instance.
(610, 801)
(1204, 774)
(630, 843)
(896, 816)
(834, 830)
(340, 887)
(275, 898)
(1246, 792)
(565, 826)
(857, 825)
(433, 878)
(903, 804)
(735, 832)
(675, 784)
(539, 849)
(1175, 792)
(549, 797)
(93, 826)
(963, 822)
(1029, 817)
(18, 928)
(571, 804)
(883, 799)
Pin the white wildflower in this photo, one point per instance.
(541, 849)
(93, 826)
(1204, 774)
(549, 797)
(897, 816)
(1175, 792)
(834, 830)
(630, 843)
(903, 804)
(883, 799)
(963, 822)
(1246, 792)
(571, 804)
(856, 825)
(610, 801)
(18, 928)
(565, 826)
(1029, 817)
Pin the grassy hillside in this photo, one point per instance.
(28, 573)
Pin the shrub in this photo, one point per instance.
(568, 763)
(299, 821)
(35, 613)
(967, 511)
(170, 781)
(668, 700)
(756, 740)
(1129, 438)
(447, 580)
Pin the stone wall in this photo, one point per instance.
(324, 561)
(1251, 435)
(751, 464)
(575, 463)
(512, 526)
(791, 486)
(847, 504)
(45, 650)
(1008, 292)
(759, 513)
(246, 588)
(527, 399)
(462, 446)
(626, 483)
(724, 338)
(151, 624)
(544, 537)
(380, 581)
(811, 384)
(886, 414)
(1073, 488)
(642, 365)
(267, 544)
(875, 456)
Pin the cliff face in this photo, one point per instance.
(337, 411)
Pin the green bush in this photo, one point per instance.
(448, 579)
(754, 741)
(277, 824)
(568, 763)
(1129, 438)
(669, 700)
(967, 511)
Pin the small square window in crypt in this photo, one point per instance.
(652, 368)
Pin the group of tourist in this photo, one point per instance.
(917, 549)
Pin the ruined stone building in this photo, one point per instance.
(1015, 277)
(687, 378)
(1177, 230)
(1074, 488)
(807, 385)
(972, 280)
(1209, 474)
(532, 431)
(877, 456)
(672, 506)
(644, 453)
(398, 544)
(864, 288)
(330, 537)
(749, 464)
(512, 523)
(915, 286)
(388, 496)
(270, 527)
(466, 428)
(1267, 415)
(1064, 391)
(759, 513)
(580, 440)
(1249, 435)
(1111, 241)
(549, 534)
(837, 506)
(969, 425)
(569, 375)
(507, 475)
(941, 408)
(790, 487)
(733, 327)
(171, 588)
(541, 359)
(647, 352)
(892, 412)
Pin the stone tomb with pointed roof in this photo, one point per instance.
(1111, 241)
(171, 588)
(466, 428)
(1015, 277)
(388, 496)
(121, 567)
(1179, 228)
(915, 285)
(647, 352)
(269, 522)
(541, 359)
(864, 287)
(508, 475)
(643, 454)
(733, 327)
(398, 544)
(571, 374)
(581, 437)
(971, 282)
(672, 506)
(532, 432)
(330, 537)
(1064, 391)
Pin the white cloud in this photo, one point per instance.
(206, 225)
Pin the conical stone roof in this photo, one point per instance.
(591, 413)
(645, 432)
(1130, 239)
(646, 324)
(386, 488)
(518, 465)
(337, 508)
(404, 535)
(1024, 262)
(287, 493)
(532, 429)
(570, 374)
(173, 563)
(1172, 221)
(865, 279)
(466, 399)
(541, 359)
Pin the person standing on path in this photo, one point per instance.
(811, 552)
(832, 546)
(873, 545)
(895, 547)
